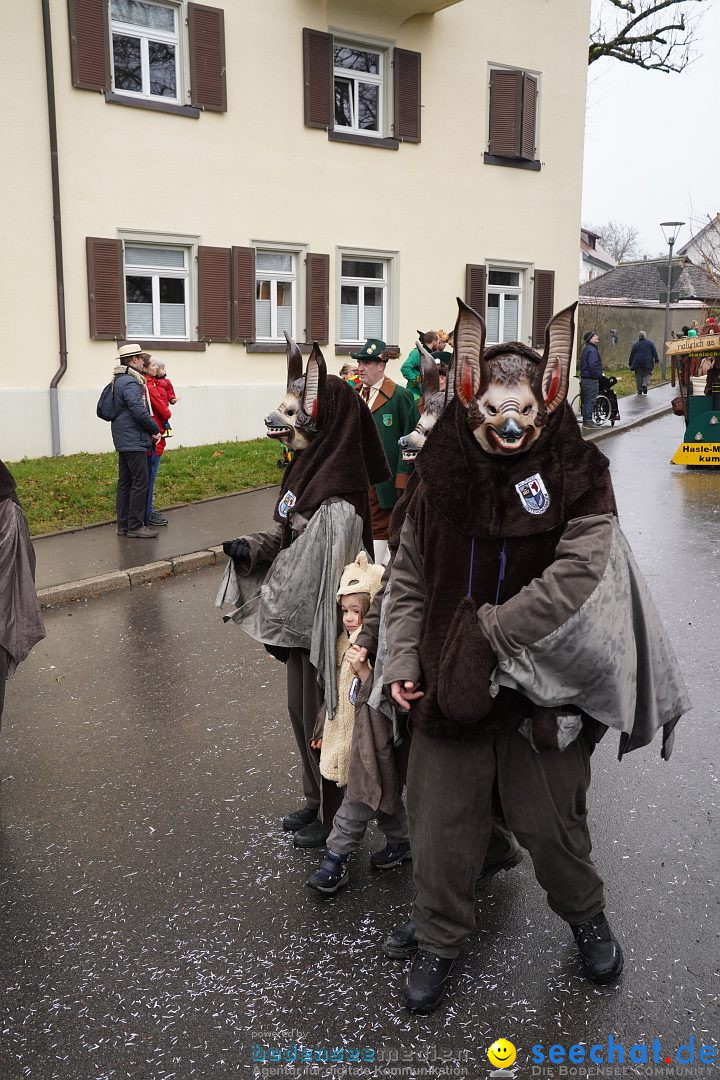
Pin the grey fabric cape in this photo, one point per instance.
(21, 624)
(292, 603)
(587, 633)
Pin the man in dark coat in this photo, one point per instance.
(134, 432)
(590, 372)
(395, 414)
(643, 358)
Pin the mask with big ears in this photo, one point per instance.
(510, 392)
(434, 402)
(298, 417)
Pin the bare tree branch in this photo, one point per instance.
(635, 32)
(620, 241)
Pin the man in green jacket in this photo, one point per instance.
(395, 414)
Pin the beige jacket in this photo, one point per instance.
(337, 733)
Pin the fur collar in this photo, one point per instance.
(121, 369)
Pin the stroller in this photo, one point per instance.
(610, 410)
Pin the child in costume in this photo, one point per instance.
(345, 747)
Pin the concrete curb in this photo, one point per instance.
(86, 588)
(639, 421)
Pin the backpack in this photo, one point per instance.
(106, 408)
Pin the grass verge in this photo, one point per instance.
(68, 492)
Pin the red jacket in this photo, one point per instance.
(160, 409)
(166, 387)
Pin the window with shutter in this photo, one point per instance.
(512, 119)
(504, 303)
(106, 300)
(317, 297)
(543, 303)
(214, 309)
(475, 278)
(318, 76)
(89, 56)
(243, 294)
(206, 33)
(407, 95)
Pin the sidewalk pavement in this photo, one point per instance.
(80, 563)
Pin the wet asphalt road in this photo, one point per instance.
(155, 918)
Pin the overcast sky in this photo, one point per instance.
(652, 142)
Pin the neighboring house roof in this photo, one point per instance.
(592, 252)
(627, 302)
(709, 233)
(647, 280)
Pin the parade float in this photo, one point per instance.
(696, 371)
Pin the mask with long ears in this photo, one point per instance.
(434, 401)
(510, 392)
(298, 417)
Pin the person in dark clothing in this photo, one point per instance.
(134, 432)
(590, 372)
(643, 358)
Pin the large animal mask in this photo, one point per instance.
(298, 417)
(510, 391)
(434, 401)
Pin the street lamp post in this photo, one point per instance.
(670, 230)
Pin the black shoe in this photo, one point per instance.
(601, 954)
(391, 855)
(313, 835)
(639, 393)
(298, 819)
(157, 519)
(401, 944)
(331, 875)
(427, 981)
(644, 389)
(121, 532)
(488, 872)
(143, 533)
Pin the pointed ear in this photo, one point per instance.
(429, 370)
(315, 379)
(553, 375)
(471, 371)
(294, 360)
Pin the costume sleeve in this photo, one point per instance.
(408, 417)
(368, 636)
(404, 615)
(264, 546)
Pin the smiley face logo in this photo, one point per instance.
(501, 1054)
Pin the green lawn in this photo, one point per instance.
(66, 492)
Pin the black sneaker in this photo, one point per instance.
(488, 872)
(298, 819)
(401, 944)
(157, 519)
(427, 981)
(601, 954)
(391, 855)
(331, 875)
(313, 835)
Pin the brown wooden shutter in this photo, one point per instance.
(543, 302)
(407, 95)
(317, 295)
(106, 288)
(214, 316)
(529, 116)
(475, 278)
(89, 44)
(318, 75)
(505, 111)
(243, 293)
(206, 33)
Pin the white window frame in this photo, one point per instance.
(189, 244)
(147, 35)
(509, 290)
(387, 283)
(273, 276)
(382, 79)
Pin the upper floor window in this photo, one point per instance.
(146, 49)
(156, 291)
(358, 88)
(513, 118)
(274, 295)
(363, 299)
(504, 299)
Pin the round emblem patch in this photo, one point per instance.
(387, 420)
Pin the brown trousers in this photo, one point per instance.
(450, 809)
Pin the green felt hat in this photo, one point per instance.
(371, 350)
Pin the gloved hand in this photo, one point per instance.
(239, 551)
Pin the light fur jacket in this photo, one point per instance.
(338, 731)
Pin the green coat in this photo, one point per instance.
(395, 413)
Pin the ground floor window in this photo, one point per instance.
(275, 295)
(156, 291)
(504, 305)
(363, 299)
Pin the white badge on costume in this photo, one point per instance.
(286, 504)
(533, 494)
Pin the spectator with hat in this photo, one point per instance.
(590, 372)
(134, 433)
(395, 414)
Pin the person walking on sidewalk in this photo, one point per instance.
(134, 433)
(590, 372)
(643, 358)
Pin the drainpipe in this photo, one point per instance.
(57, 229)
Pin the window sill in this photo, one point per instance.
(273, 347)
(177, 346)
(512, 163)
(363, 140)
(155, 106)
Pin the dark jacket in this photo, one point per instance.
(590, 362)
(133, 426)
(643, 355)
(395, 413)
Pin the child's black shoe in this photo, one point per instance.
(331, 875)
(391, 855)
